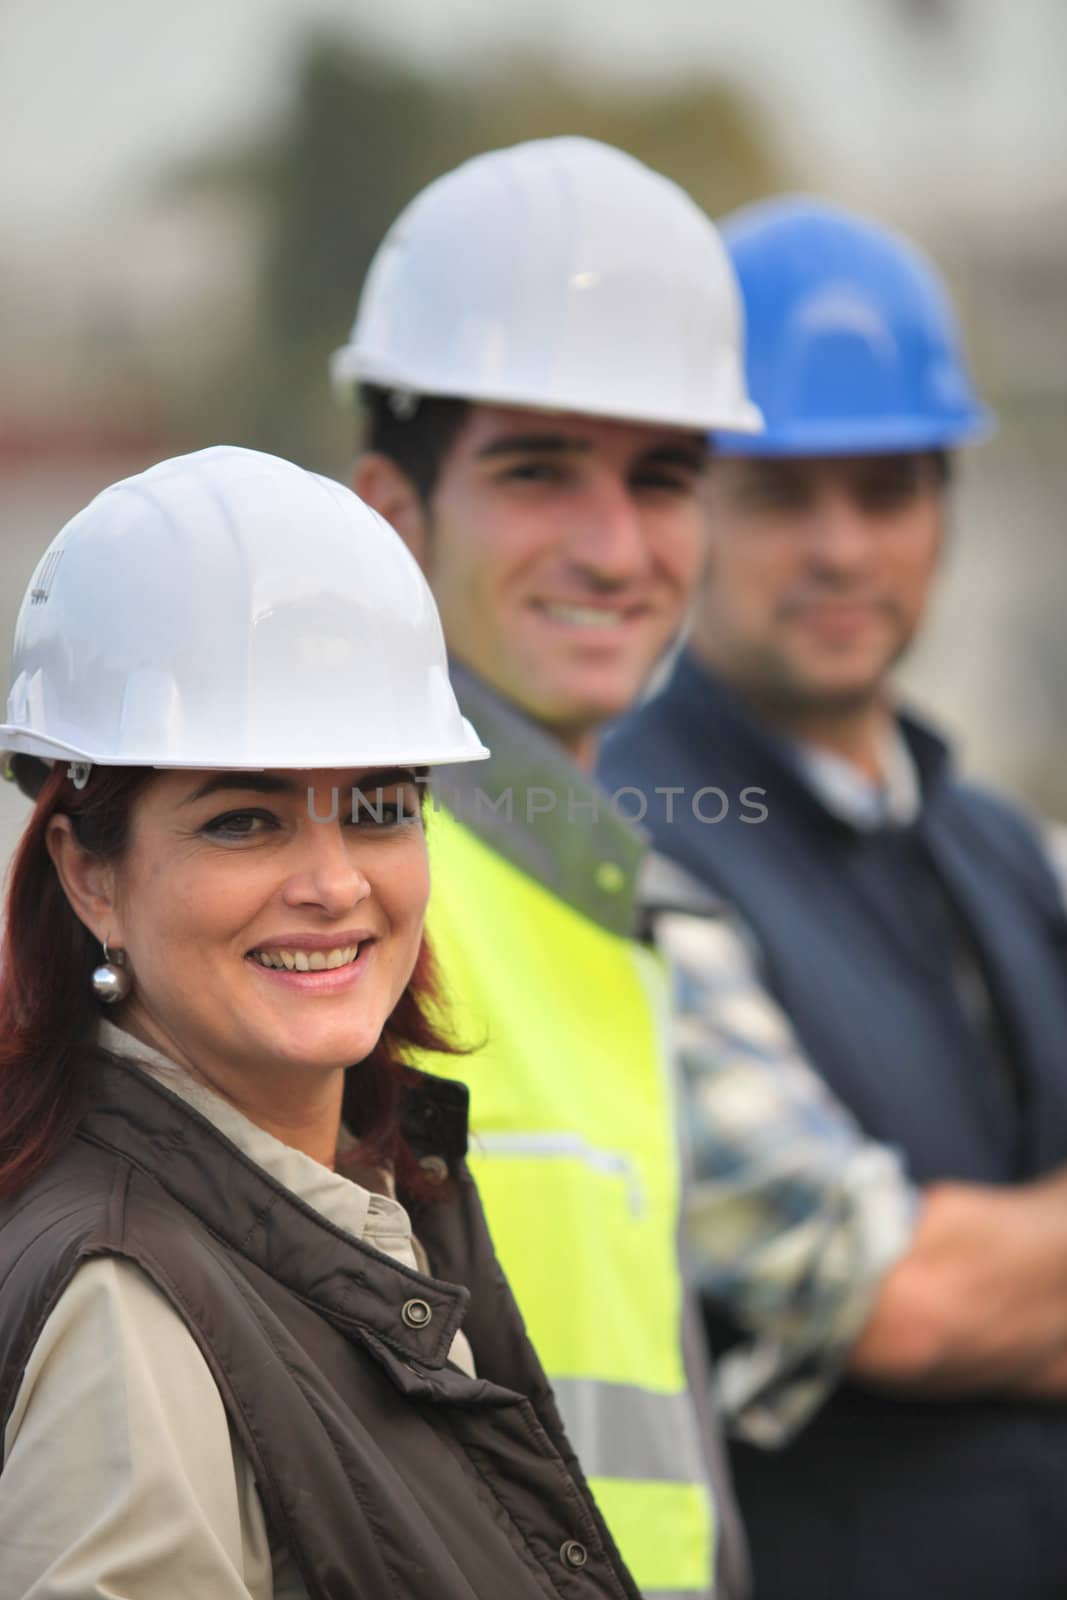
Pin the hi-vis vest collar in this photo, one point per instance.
(559, 826)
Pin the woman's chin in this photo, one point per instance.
(305, 1053)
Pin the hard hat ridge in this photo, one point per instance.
(229, 609)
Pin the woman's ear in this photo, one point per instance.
(87, 882)
(378, 480)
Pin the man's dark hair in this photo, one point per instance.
(416, 432)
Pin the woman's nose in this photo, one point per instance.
(325, 866)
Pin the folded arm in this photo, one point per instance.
(814, 1241)
(978, 1303)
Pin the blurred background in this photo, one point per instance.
(191, 194)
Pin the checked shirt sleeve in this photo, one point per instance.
(793, 1214)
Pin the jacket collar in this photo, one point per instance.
(377, 1217)
(867, 805)
(538, 809)
(716, 720)
(358, 1289)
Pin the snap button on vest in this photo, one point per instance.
(416, 1313)
(435, 1168)
(609, 877)
(573, 1554)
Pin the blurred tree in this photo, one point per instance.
(704, 135)
(363, 136)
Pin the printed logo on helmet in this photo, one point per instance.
(44, 577)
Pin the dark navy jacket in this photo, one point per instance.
(859, 933)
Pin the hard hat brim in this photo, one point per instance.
(852, 436)
(20, 741)
(348, 367)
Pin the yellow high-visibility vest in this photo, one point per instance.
(574, 1149)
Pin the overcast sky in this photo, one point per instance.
(97, 92)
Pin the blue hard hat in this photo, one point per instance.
(852, 344)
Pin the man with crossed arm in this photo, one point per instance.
(883, 1255)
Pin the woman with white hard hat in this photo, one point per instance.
(228, 1365)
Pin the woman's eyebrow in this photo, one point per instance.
(271, 783)
(385, 777)
(242, 782)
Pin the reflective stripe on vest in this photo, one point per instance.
(574, 1150)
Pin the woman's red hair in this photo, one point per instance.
(49, 1015)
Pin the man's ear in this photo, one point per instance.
(87, 882)
(378, 480)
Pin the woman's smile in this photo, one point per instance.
(314, 965)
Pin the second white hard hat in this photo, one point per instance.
(228, 609)
(563, 275)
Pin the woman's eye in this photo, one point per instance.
(375, 810)
(387, 815)
(239, 824)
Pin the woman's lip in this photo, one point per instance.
(324, 982)
(315, 941)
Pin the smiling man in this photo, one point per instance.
(562, 550)
(884, 1269)
(544, 340)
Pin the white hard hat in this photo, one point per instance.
(559, 274)
(228, 609)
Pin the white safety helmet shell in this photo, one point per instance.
(227, 609)
(562, 275)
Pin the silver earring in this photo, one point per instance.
(111, 981)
